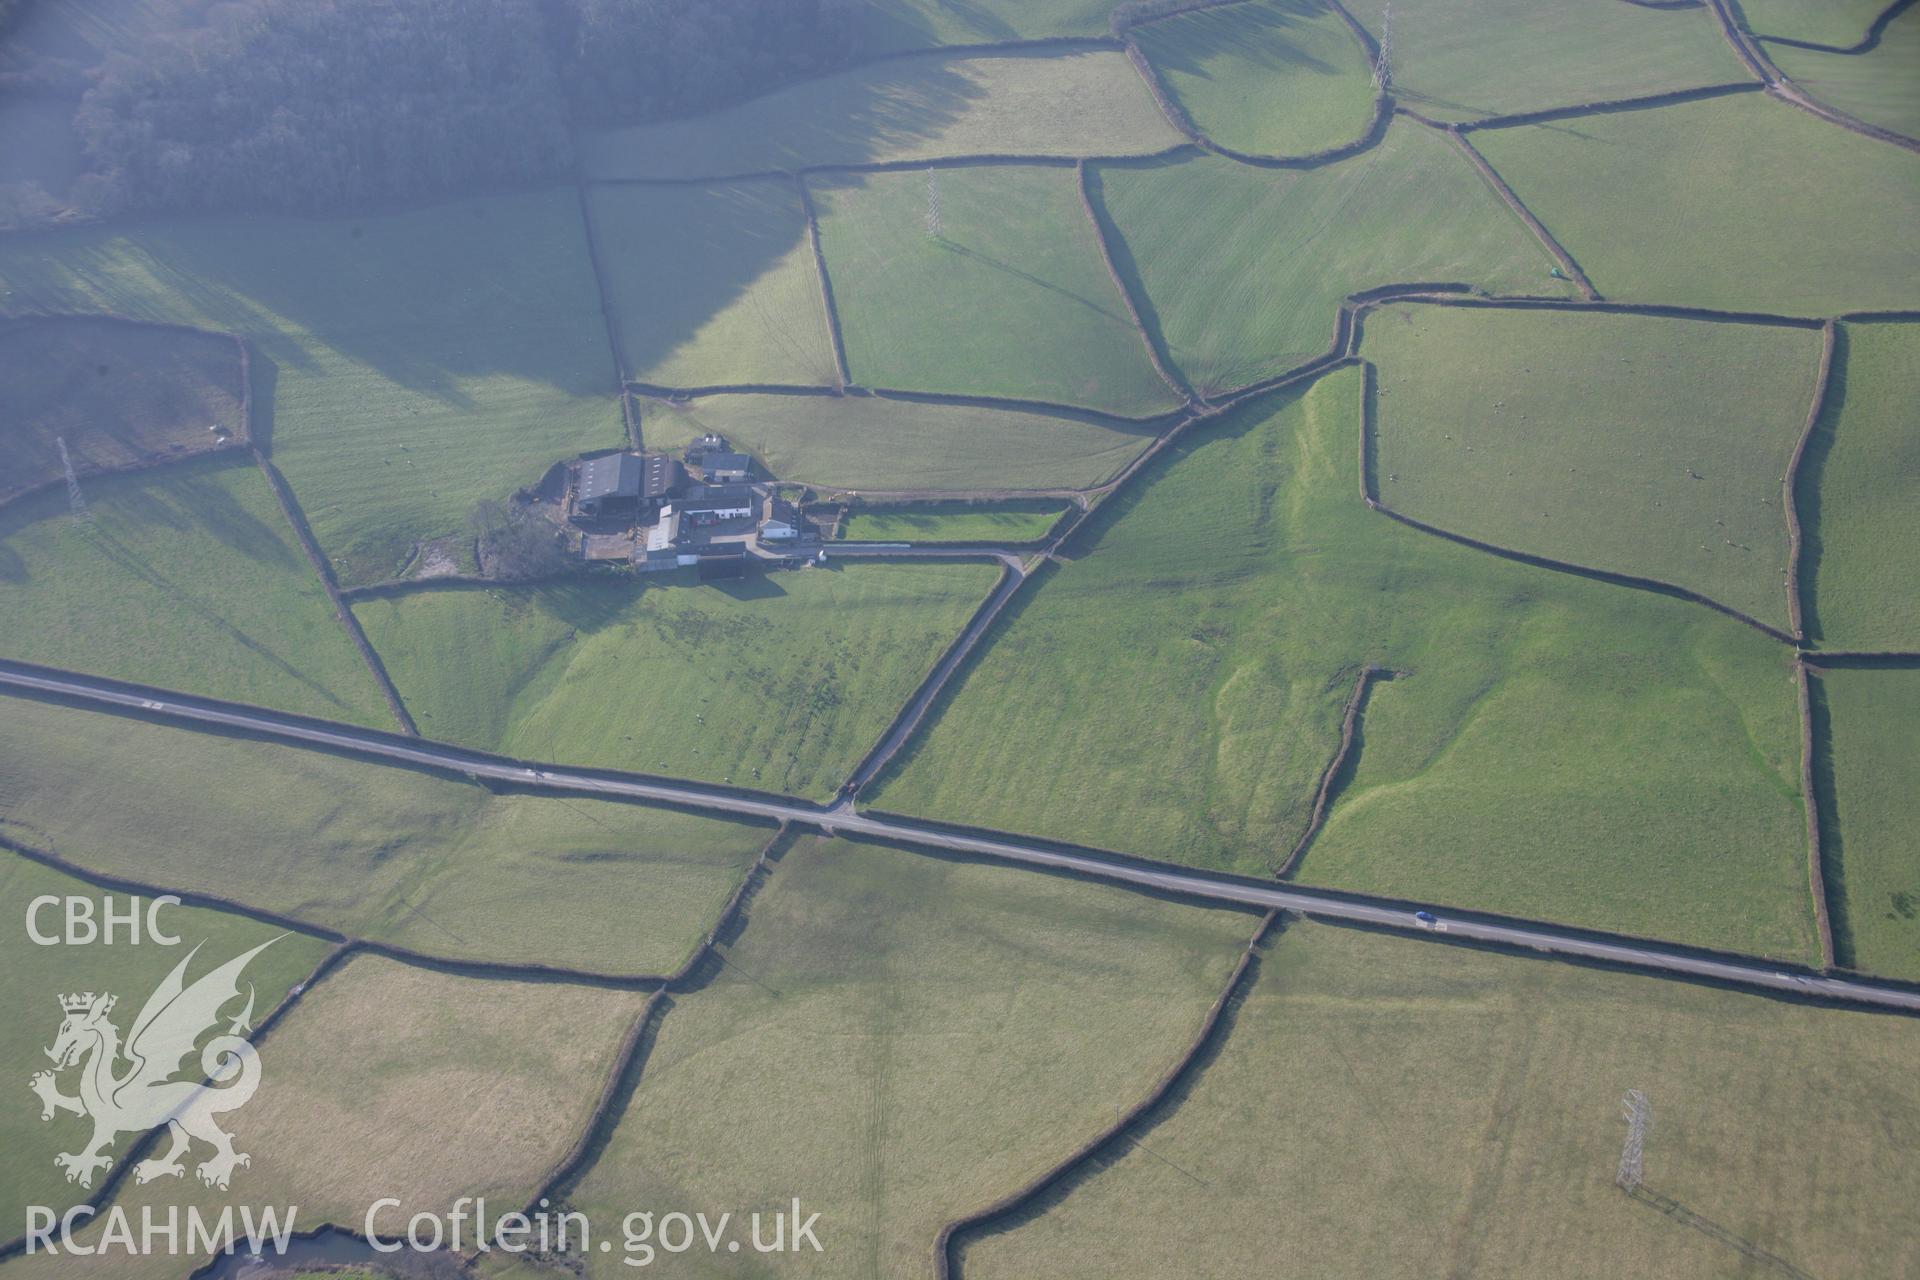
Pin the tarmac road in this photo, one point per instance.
(842, 818)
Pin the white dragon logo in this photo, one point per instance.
(145, 1096)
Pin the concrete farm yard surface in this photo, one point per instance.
(1236, 501)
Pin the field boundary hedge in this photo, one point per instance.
(841, 376)
(1783, 87)
(1866, 43)
(906, 722)
(960, 399)
(1181, 119)
(1211, 1034)
(1789, 484)
(615, 345)
(298, 522)
(1816, 859)
(1513, 202)
(1172, 377)
(1599, 106)
(497, 970)
(1369, 493)
(629, 1059)
(142, 1145)
(1332, 773)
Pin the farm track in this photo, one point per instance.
(1647, 955)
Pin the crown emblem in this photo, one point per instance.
(81, 1001)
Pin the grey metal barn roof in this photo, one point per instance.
(662, 476)
(617, 475)
(725, 462)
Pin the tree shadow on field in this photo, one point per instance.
(891, 25)
(438, 299)
(1268, 35)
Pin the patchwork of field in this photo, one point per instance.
(1841, 23)
(1638, 444)
(36, 976)
(1234, 664)
(1880, 86)
(1742, 189)
(1395, 1109)
(916, 1037)
(393, 1081)
(888, 25)
(1244, 268)
(412, 860)
(1867, 762)
(1024, 521)
(713, 284)
(1557, 748)
(866, 442)
(1469, 59)
(116, 395)
(1273, 77)
(187, 577)
(406, 365)
(1011, 298)
(933, 107)
(780, 682)
(1860, 495)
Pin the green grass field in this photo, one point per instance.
(1245, 267)
(1760, 205)
(1867, 763)
(1011, 299)
(413, 860)
(114, 394)
(1041, 103)
(1840, 23)
(1860, 495)
(780, 682)
(36, 976)
(1392, 1109)
(1469, 59)
(1278, 77)
(1026, 521)
(406, 365)
(918, 1036)
(1559, 748)
(187, 577)
(1638, 444)
(863, 442)
(887, 25)
(393, 1081)
(713, 284)
(1881, 87)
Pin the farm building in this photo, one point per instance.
(623, 482)
(782, 523)
(706, 503)
(608, 483)
(726, 468)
